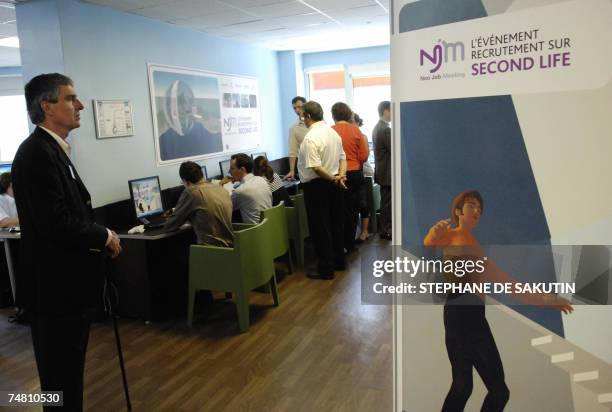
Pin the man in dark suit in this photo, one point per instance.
(381, 136)
(62, 249)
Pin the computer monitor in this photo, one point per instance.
(5, 167)
(224, 167)
(146, 197)
(280, 166)
(204, 172)
(256, 155)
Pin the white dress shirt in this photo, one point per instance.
(8, 209)
(62, 142)
(322, 146)
(251, 197)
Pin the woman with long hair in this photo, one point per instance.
(356, 150)
(279, 192)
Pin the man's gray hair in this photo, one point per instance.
(313, 110)
(44, 87)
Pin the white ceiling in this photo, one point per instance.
(303, 25)
(280, 25)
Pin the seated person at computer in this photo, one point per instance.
(279, 192)
(253, 194)
(8, 210)
(206, 206)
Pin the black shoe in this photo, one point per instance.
(321, 276)
(359, 241)
(386, 236)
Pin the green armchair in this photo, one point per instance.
(246, 266)
(279, 240)
(297, 223)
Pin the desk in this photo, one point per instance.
(152, 273)
(292, 186)
(7, 237)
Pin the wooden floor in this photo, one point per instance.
(320, 350)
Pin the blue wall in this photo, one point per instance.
(366, 55)
(106, 53)
(40, 38)
(289, 68)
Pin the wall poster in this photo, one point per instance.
(199, 114)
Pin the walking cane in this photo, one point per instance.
(108, 306)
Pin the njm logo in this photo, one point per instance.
(229, 123)
(436, 56)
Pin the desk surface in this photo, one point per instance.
(290, 183)
(153, 234)
(5, 234)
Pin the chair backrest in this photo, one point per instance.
(253, 249)
(279, 239)
(302, 217)
(373, 198)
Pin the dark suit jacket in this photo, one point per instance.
(381, 136)
(62, 249)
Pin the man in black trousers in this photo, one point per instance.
(322, 169)
(381, 136)
(62, 249)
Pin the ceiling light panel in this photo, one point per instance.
(126, 5)
(244, 4)
(339, 4)
(302, 20)
(357, 13)
(254, 27)
(218, 19)
(184, 9)
(378, 22)
(291, 8)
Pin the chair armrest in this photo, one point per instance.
(209, 256)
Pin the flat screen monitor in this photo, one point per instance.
(204, 172)
(280, 166)
(224, 167)
(146, 196)
(5, 167)
(256, 155)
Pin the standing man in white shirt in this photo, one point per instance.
(322, 169)
(296, 135)
(253, 194)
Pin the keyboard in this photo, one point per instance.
(155, 222)
(154, 225)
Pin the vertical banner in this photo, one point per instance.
(509, 99)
